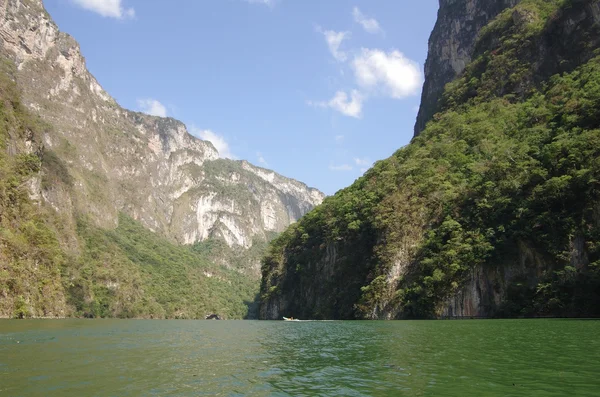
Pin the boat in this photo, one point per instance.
(290, 319)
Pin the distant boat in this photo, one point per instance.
(290, 319)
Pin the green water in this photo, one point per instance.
(236, 358)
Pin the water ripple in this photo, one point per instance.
(239, 358)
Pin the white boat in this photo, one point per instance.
(290, 319)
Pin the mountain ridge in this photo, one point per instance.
(50, 61)
(491, 210)
(108, 212)
(451, 47)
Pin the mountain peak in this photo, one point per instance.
(124, 161)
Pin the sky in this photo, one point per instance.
(314, 90)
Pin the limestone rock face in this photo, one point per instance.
(451, 47)
(122, 161)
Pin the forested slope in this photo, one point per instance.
(493, 210)
(50, 268)
(108, 212)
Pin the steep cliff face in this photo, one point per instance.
(239, 202)
(121, 161)
(492, 210)
(106, 212)
(451, 47)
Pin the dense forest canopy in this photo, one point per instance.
(505, 179)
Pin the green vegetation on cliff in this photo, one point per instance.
(50, 270)
(510, 170)
(30, 255)
(132, 272)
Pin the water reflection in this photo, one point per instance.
(347, 358)
(236, 358)
(451, 358)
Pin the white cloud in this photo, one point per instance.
(334, 41)
(389, 73)
(106, 8)
(261, 159)
(363, 161)
(217, 140)
(369, 24)
(351, 107)
(152, 107)
(339, 138)
(269, 3)
(341, 167)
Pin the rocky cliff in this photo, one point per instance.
(493, 209)
(110, 212)
(121, 161)
(451, 47)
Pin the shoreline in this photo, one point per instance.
(463, 318)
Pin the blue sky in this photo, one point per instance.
(315, 90)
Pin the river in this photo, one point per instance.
(275, 358)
